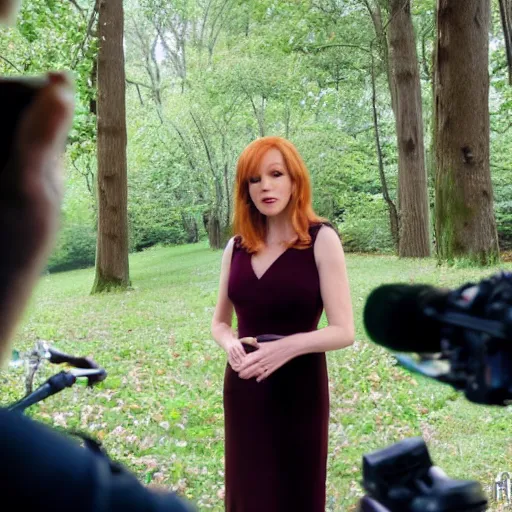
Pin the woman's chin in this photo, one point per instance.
(269, 212)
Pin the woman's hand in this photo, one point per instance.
(236, 352)
(266, 360)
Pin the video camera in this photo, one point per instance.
(402, 478)
(461, 337)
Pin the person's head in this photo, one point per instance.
(272, 181)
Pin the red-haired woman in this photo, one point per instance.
(281, 270)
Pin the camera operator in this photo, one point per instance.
(41, 469)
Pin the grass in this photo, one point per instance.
(160, 409)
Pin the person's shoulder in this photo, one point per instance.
(323, 230)
(235, 243)
(327, 242)
(37, 456)
(31, 448)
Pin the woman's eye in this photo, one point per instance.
(254, 179)
(276, 174)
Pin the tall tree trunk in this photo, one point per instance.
(413, 208)
(465, 223)
(112, 269)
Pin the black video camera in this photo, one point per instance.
(401, 478)
(462, 337)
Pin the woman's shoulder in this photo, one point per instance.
(236, 242)
(323, 226)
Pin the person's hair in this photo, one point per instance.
(248, 222)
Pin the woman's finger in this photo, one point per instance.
(264, 374)
(249, 360)
(253, 370)
(240, 351)
(235, 357)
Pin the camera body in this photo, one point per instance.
(476, 341)
(402, 478)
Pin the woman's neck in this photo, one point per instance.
(279, 230)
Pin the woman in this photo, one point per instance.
(283, 267)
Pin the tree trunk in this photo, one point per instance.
(465, 223)
(112, 269)
(214, 232)
(414, 237)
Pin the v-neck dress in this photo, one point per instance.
(276, 431)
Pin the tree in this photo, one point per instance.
(414, 239)
(112, 270)
(465, 223)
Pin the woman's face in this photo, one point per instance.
(271, 188)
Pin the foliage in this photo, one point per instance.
(205, 77)
(365, 227)
(75, 248)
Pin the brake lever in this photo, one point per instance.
(94, 375)
(58, 357)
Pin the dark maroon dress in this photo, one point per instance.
(276, 431)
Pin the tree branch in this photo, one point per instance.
(79, 9)
(88, 34)
(138, 86)
(333, 45)
(205, 144)
(133, 82)
(10, 64)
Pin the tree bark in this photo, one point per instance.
(465, 223)
(112, 270)
(413, 206)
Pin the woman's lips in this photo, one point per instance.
(269, 200)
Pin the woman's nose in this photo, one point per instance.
(265, 183)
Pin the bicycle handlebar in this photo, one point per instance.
(57, 383)
(58, 357)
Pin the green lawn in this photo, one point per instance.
(160, 409)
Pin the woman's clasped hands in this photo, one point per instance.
(260, 363)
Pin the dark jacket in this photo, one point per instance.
(43, 470)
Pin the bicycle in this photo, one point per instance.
(83, 367)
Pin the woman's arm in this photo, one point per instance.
(222, 331)
(335, 291)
